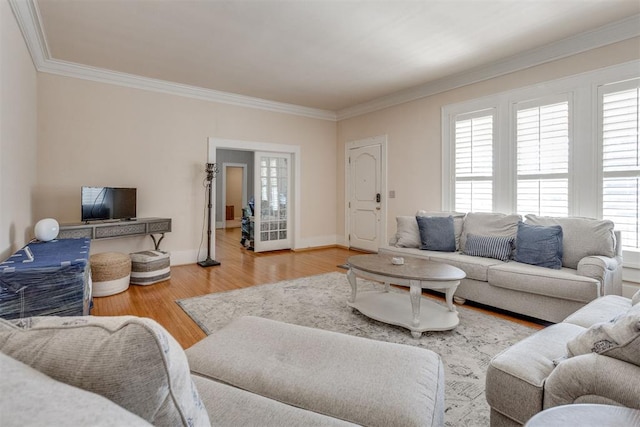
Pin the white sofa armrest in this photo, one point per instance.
(607, 270)
(593, 378)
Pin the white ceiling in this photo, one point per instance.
(328, 55)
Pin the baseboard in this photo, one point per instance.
(315, 242)
(314, 248)
(186, 257)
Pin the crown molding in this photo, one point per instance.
(28, 17)
(602, 36)
(70, 69)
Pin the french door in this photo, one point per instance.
(272, 201)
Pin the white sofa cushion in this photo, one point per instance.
(407, 387)
(581, 237)
(30, 398)
(489, 224)
(599, 310)
(474, 267)
(231, 406)
(129, 360)
(564, 283)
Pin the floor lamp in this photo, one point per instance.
(212, 171)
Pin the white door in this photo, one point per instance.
(365, 197)
(272, 201)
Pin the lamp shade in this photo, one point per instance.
(46, 229)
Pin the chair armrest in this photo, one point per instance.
(593, 378)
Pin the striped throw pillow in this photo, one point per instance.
(497, 247)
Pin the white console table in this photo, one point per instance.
(114, 229)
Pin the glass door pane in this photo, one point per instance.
(273, 174)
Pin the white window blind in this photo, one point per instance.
(542, 146)
(474, 138)
(621, 158)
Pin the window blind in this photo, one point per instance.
(542, 147)
(621, 161)
(474, 163)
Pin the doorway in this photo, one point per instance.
(293, 204)
(234, 193)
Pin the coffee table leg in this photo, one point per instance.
(415, 292)
(449, 297)
(354, 285)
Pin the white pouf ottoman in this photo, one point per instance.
(148, 267)
(110, 272)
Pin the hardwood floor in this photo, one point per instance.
(239, 268)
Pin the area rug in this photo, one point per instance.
(320, 302)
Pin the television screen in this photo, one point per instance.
(107, 203)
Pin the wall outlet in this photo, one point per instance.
(392, 194)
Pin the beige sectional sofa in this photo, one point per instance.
(591, 262)
(128, 371)
(593, 356)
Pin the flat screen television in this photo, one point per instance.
(108, 203)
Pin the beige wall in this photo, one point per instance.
(91, 133)
(18, 135)
(414, 130)
(105, 135)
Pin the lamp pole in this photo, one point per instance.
(212, 171)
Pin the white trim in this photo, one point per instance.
(375, 140)
(612, 33)
(69, 69)
(28, 18)
(318, 241)
(295, 150)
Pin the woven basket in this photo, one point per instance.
(109, 266)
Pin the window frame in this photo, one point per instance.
(602, 90)
(471, 116)
(582, 90)
(513, 118)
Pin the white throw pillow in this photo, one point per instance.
(635, 299)
(618, 338)
(131, 361)
(408, 233)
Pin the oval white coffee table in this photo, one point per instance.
(416, 313)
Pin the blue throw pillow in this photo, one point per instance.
(497, 247)
(437, 233)
(539, 245)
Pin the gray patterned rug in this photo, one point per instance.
(320, 302)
